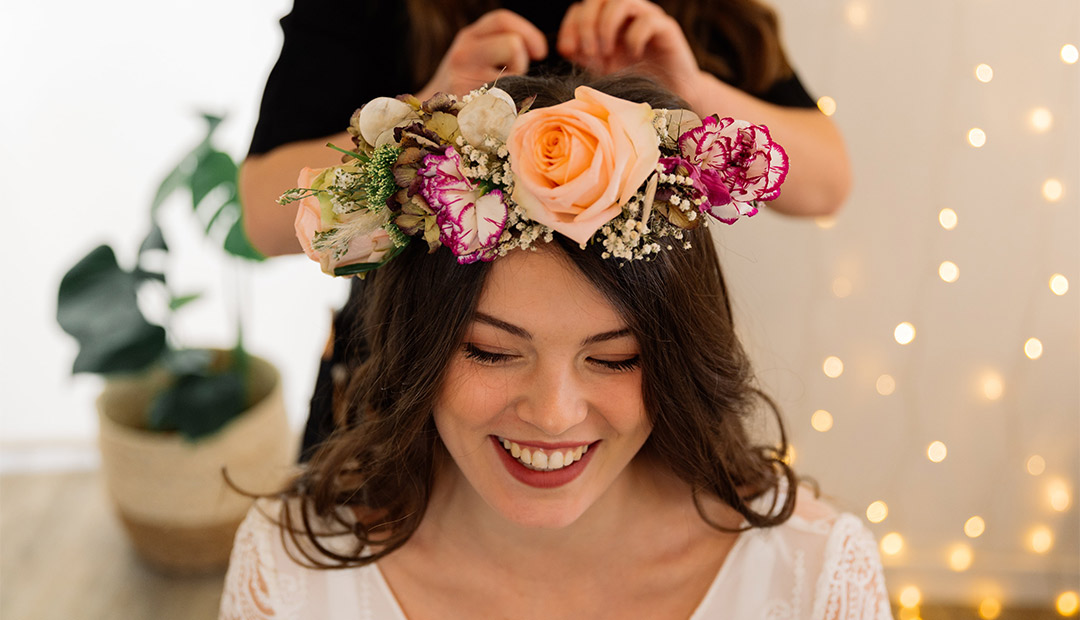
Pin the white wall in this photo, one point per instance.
(97, 108)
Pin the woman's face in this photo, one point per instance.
(542, 409)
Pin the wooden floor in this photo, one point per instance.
(64, 556)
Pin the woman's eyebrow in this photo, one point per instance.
(520, 332)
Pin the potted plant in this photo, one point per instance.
(174, 419)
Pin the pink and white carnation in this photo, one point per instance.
(470, 222)
(744, 156)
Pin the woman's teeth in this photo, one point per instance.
(541, 459)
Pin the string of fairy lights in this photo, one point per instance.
(1058, 493)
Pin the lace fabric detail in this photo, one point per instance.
(254, 590)
(851, 585)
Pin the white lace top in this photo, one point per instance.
(819, 565)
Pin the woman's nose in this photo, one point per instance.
(554, 400)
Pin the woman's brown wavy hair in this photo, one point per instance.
(697, 383)
(751, 55)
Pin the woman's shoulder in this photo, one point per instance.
(821, 563)
(272, 573)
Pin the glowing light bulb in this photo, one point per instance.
(892, 543)
(910, 596)
(1041, 119)
(993, 386)
(974, 527)
(1036, 465)
(1041, 539)
(948, 271)
(1058, 494)
(1053, 190)
(833, 367)
(1059, 284)
(877, 511)
(984, 73)
(1033, 348)
(937, 451)
(885, 385)
(904, 333)
(989, 608)
(947, 218)
(1069, 54)
(960, 558)
(827, 105)
(976, 137)
(841, 287)
(1068, 603)
(821, 420)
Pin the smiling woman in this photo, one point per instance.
(553, 429)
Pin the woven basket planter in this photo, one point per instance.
(169, 492)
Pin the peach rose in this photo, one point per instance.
(356, 238)
(577, 163)
(309, 213)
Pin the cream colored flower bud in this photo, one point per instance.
(379, 117)
(489, 115)
(681, 121)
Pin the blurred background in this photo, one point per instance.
(924, 344)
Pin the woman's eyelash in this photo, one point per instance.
(629, 363)
(484, 357)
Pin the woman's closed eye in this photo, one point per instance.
(477, 354)
(618, 365)
(491, 358)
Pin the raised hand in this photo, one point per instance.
(605, 36)
(501, 42)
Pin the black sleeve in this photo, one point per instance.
(335, 56)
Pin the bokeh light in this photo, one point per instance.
(892, 543)
(1036, 465)
(1069, 54)
(833, 367)
(974, 527)
(960, 558)
(947, 218)
(989, 608)
(937, 451)
(910, 596)
(825, 222)
(904, 333)
(948, 271)
(841, 287)
(1053, 190)
(1058, 494)
(1033, 348)
(827, 105)
(885, 385)
(1059, 284)
(856, 14)
(1068, 603)
(821, 420)
(984, 73)
(993, 386)
(1041, 119)
(877, 511)
(976, 137)
(1041, 539)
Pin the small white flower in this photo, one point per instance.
(485, 120)
(379, 117)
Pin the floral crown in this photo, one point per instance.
(482, 177)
